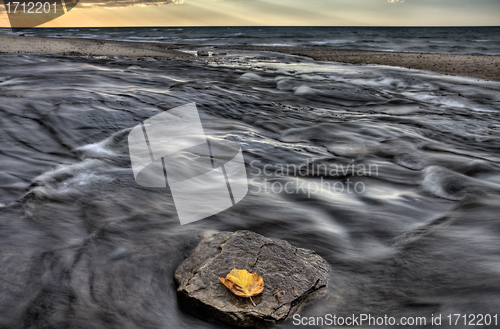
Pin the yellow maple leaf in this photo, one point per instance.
(243, 284)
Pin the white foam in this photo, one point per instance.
(349, 149)
(312, 77)
(305, 90)
(67, 180)
(98, 150)
(133, 68)
(251, 76)
(274, 44)
(107, 148)
(61, 171)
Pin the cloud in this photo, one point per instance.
(115, 4)
(396, 1)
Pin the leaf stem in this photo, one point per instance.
(252, 301)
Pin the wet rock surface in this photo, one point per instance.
(292, 277)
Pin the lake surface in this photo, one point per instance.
(448, 40)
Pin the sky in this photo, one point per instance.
(94, 13)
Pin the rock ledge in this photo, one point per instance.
(292, 277)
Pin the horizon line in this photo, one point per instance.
(273, 26)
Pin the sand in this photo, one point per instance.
(86, 47)
(475, 66)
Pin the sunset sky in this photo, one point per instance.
(277, 12)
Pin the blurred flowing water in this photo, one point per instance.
(83, 246)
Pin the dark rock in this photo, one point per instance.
(22, 35)
(292, 277)
(202, 53)
(72, 53)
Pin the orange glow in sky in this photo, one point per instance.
(280, 13)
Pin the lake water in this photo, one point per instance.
(454, 40)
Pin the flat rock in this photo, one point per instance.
(292, 277)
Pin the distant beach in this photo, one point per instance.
(85, 47)
(475, 66)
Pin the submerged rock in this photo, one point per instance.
(292, 277)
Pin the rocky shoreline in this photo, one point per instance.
(475, 66)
